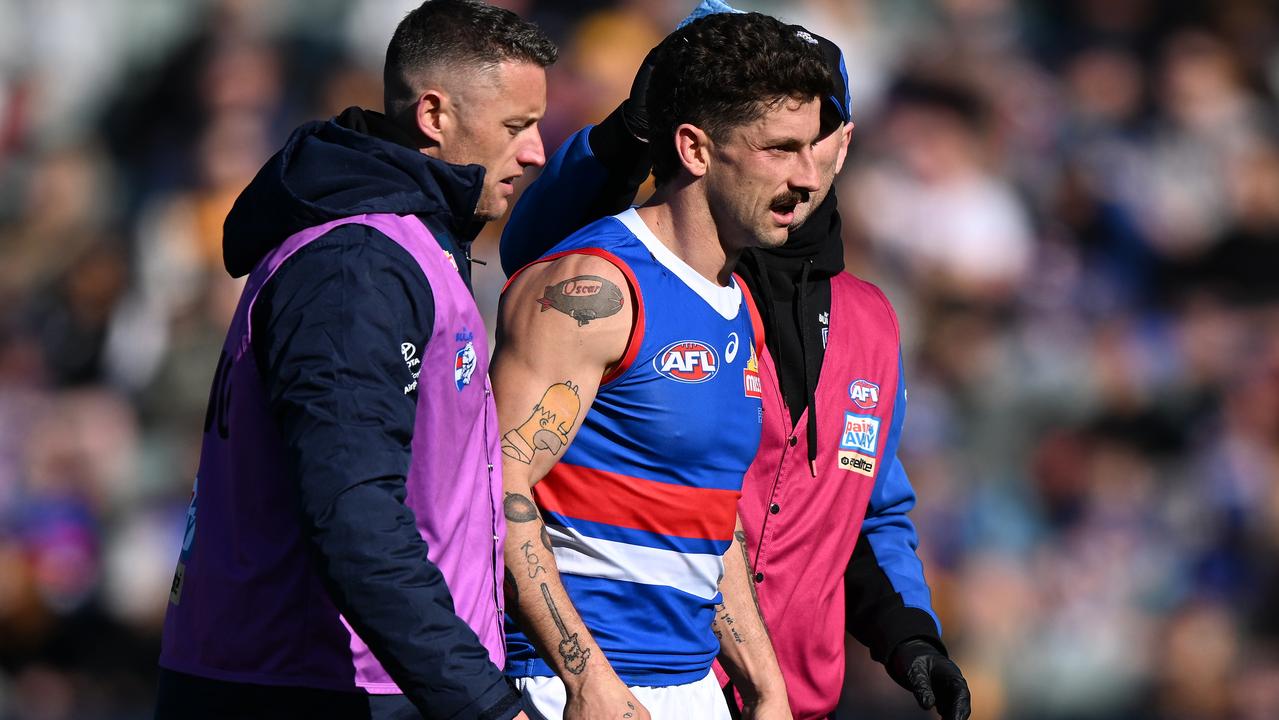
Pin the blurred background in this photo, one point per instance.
(1074, 207)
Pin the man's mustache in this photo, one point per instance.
(789, 198)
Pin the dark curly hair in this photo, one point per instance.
(456, 32)
(723, 71)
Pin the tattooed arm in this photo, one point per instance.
(561, 326)
(746, 652)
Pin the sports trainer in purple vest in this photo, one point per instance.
(343, 549)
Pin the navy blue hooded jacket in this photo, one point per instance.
(329, 325)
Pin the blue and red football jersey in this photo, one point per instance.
(643, 504)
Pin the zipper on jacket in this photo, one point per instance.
(498, 578)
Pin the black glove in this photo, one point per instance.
(934, 679)
(635, 108)
(620, 143)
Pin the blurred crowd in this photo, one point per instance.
(1074, 207)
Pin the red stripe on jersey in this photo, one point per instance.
(614, 499)
(757, 322)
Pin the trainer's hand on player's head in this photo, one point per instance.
(934, 679)
(635, 107)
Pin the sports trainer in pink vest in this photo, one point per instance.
(343, 547)
(825, 504)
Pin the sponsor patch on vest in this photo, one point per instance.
(856, 462)
(861, 434)
(864, 394)
(687, 361)
(464, 366)
(750, 377)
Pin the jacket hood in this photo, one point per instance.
(817, 243)
(356, 163)
(786, 281)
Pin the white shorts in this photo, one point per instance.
(544, 699)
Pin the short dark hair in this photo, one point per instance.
(723, 71)
(456, 32)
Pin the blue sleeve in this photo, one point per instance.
(551, 208)
(887, 597)
(328, 330)
(594, 174)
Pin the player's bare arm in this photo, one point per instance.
(746, 651)
(562, 325)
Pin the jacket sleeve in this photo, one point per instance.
(594, 174)
(328, 328)
(887, 599)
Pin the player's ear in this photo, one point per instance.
(692, 145)
(846, 135)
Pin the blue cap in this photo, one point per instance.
(840, 103)
(708, 7)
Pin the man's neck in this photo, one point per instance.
(681, 220)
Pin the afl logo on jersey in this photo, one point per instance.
(687, 361)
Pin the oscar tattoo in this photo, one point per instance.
(583, 298)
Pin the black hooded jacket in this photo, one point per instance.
(328, 331)
(791, 285)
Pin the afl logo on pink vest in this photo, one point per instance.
(864, 394)
(687, 361)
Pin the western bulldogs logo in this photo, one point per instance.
(864, 394)
(188, 537)
(687, 361)
(464, 366)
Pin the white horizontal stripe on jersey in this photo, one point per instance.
(694, 573)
